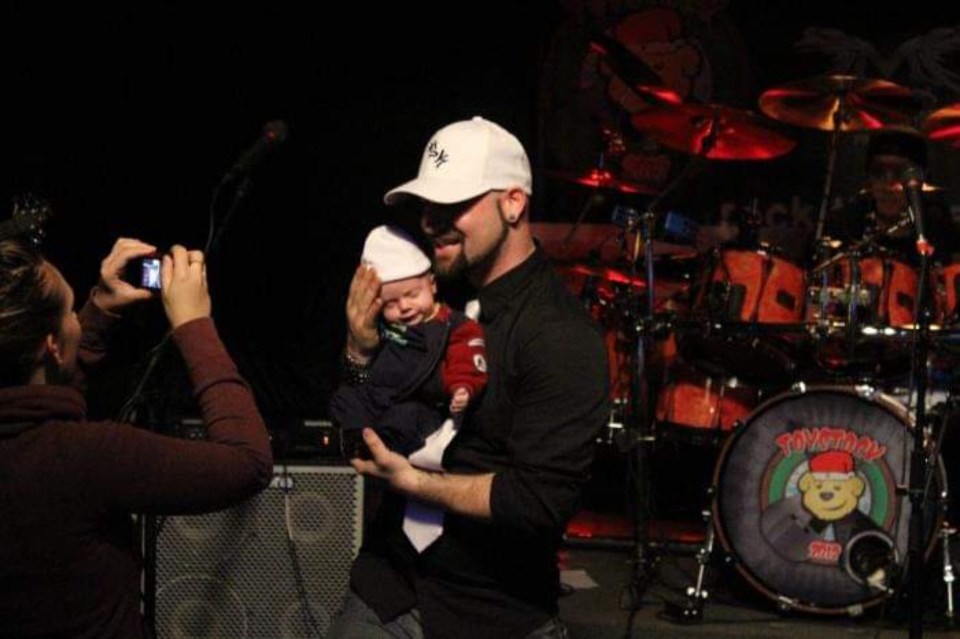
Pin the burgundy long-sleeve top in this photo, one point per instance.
(69, 564)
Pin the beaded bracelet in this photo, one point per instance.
(354, 372)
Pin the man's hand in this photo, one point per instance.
(463, 494)
(363, 309)
(385, 464)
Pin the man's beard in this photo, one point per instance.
(478, 264)
(455, 268)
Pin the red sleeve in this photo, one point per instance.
(465, 362)
(144, 471)
(96, 326)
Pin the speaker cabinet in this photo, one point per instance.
(276, 566)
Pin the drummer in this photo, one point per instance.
(883, 203)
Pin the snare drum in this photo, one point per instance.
(807, 496)
(886, 291)
(864, 299)
(747, 298)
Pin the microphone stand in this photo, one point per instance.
(149, 526)
(239, 194)
(918, 459)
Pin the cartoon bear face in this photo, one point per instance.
(830, 499)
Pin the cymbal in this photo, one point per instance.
(600, 179)
(926, 188)
(633, 70)
(664, 287)
(712, 131)
(605, 273)
(842, 102)
(943, 125)
(590, 241)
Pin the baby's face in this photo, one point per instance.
(409, 301)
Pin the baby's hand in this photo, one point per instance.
(459, 401)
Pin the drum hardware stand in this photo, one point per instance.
(690, 609)
(648, 328)
(614, 431)
(946, 533)
(636, 446)
(854, 301)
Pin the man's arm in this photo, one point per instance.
(560, 404)
(462, 494)
(563, 401)
(154, 473)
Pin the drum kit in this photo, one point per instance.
(788, 371)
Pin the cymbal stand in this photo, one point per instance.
(839, 117)
(642, 436)
(648, 329)
(827, 185)
(595, 199)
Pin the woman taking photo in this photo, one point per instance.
(69, 563)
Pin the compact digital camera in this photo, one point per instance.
(144, 272)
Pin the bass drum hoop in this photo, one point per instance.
(864, 393)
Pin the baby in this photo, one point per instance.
(431, 358)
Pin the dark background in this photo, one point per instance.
(126, 118)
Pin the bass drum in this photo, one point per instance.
(806, 498)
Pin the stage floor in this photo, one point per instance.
(597, 604)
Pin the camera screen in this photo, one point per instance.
(150, 273)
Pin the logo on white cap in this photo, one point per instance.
(466, 159)
(439, 156)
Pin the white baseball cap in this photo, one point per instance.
(466, 159)
(393, 254)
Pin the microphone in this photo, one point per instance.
(912, 180)
(272, 136)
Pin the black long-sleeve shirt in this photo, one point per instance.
(534, 427)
